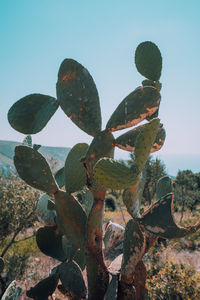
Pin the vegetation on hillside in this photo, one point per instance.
(17, 214)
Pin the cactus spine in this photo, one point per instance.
(73, 221)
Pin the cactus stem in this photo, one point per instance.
(97, 273)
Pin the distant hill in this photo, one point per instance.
(54, 155)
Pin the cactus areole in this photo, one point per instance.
(72, 206)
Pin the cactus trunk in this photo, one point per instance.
(97, 273)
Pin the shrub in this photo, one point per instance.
(17, 213)
(169, 280)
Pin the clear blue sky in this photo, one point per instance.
(36, 35)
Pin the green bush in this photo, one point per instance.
(17, 207)
(17, 213)
(170, 280)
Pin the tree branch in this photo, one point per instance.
(11, 241)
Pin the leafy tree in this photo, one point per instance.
(187, 190)
(153, 171)
(17, 209)
(17, 213)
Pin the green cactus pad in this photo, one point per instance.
(51, 205)
(114, 175)
(144, 142)
(148, 82)
(164, 187)
(134, 246)
(160, 139)
(75, 172)
(68, 248)
(60, 177)
(136, 107)
(30, 114)
(112, 288)
(49, 241)
(159, 220)
(72, 279)
(36, 147)
(127, 140)
(131, 198)
(155, 115)
(78, 96)
(71, 218)
(44, 288)
(2, 264)
(101, 146)
(80, 259)
(113, 239)
(72, 253)
(33, 168)
(148, 60)
(156, 84)
(45, 215)
(86, 199)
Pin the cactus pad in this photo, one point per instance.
(127, 140)
(49, 241)
(36, 147)
(80, 259)
(112, 288)
(30, 114)
(113, 240)
(101, 146)
(60, 177)
(72, 279)
(51, 205)
(156, 84)
(164, 187)
(144, 142)
(78, 96)
(131, 199)
(68, 248)
(86, 199)
(33, 168)
(137, 106)
(148, 60)
(71, 218)
(134, 246)
(72, 253)
(114, 175)
(159, 220)
(148, 82)
(44, 288)
(45, 215)
(75, 172)
(160, 139)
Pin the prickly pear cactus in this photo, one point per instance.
(72, 208)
